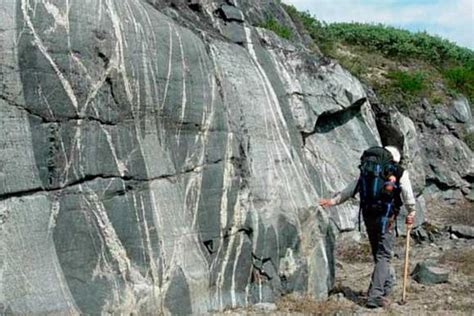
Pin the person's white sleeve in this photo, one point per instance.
(345, 194)
(407, 192)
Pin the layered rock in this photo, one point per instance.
(168, 156)
(167, 159)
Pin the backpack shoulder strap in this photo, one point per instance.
(398, 199)
(356, 189)
(399, 172)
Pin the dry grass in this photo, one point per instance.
(446, 214)
(461, 259)
(307, 305)
(462, 214)
(354, 252)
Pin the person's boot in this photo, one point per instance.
(376, 302)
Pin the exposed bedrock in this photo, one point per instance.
(168, 158)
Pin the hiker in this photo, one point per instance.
(382, 186)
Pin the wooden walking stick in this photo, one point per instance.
(405, 272)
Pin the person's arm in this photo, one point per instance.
(408, 197)
(341, 196)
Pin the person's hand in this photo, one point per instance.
(326, 202)
(410, 218)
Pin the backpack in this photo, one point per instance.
(379, 184)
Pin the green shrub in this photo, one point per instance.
(281, 30)
(409, 82)
(315, 28)
(355, 65)
(461, 79)
(388, 40)
(469, 140)
(442, 61)
(394, 42)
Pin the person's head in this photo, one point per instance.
(395, 153)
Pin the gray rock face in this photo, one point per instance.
(462, 110)
(169, 158)
(149, 165)
(231, 13)
(440, 164)
(397, 129)
(470, 195)
(449, 161)
(427, 272)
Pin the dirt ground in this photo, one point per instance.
(454, 297)
(354, 267)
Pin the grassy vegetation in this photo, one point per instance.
(307, 305)
(461, 78)
(407, 81)
(399, 64)
(354, 252)
(461, 259)
(400, 43)
(462, 214)
(469, 140)
(281, 30)
(443, 213)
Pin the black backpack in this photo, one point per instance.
(379, 183)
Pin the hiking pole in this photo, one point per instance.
(405, 272)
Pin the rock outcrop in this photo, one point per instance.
(168, 156)
(440, 164)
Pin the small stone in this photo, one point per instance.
(231, 13)
(427, 272)
(450, 299)
(462, 110)
(451, 126)
(470, 196)
(462, 231)
(453, 236)
(420, 234)
(267, 307)
(466, 190)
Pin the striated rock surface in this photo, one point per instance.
(167, 158)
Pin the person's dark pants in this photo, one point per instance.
(381, 243)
